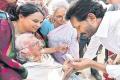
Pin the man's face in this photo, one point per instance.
(87, 27)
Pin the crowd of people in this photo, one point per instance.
(49, 39)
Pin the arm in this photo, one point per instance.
(98, 66)
(62, 49)
(86, 63)
(48, 50)
(14, 65)
(10, 62)
(112, 70)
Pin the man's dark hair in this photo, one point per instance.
(82, 8)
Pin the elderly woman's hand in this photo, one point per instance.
(63, 48)
(81, 63)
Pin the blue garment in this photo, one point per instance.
(46, 27)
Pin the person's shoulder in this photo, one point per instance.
(112, 12)
(47, 22)
(112, 15)
(113, 7)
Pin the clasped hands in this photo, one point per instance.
(79, 64)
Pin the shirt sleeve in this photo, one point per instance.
(10, 62)
(92, 48)
(113, 70)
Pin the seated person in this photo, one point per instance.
(32, 50)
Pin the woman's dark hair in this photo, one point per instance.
(82, 8)
(25, 10)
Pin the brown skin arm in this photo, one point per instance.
(62, 49)
(48, 50)
(86, 63)
(98, 66)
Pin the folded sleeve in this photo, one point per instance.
(113, 70)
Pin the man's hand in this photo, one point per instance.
(68, 69)
(81, 64)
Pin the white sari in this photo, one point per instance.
(64, 34)
(48, 69)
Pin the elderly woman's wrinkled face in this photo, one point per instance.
(30, 47)
(59, 17)
(32, 22)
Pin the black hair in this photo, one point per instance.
(82, 8)
(25, 10)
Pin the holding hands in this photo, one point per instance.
(80, 64)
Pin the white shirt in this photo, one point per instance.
(108, 34)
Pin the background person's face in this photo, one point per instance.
(113, 1)
(86, 28)
(59, 16)
(11, 1)
(38, 2)
(32, 22)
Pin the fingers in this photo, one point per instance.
(80, 64)
(63, 49)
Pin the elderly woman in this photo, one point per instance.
(40, 65)
(33, 49)
(63, 33)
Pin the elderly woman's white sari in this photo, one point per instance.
(46, 68)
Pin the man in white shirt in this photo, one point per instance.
(89, 18)
(95, 43)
